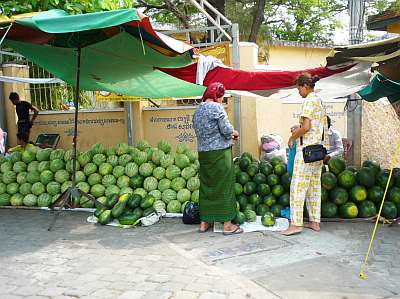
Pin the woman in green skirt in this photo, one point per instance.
(217, 177)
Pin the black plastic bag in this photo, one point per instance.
(191, 213)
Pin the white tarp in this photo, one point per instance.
(8, 79)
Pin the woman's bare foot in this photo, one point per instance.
(313, 225)
(292, 230)
(204, 226)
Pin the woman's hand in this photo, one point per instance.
(290, 142)
(235, 135)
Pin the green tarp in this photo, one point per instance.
(121, 64)
(381, 87)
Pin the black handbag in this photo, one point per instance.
(314, 152)
(191, 213)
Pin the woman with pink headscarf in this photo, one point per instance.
(217, 176)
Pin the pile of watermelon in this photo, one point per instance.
(37, 177)
(349, 193)
(261, 189)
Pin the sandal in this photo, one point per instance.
(205, 230)
(236, 231)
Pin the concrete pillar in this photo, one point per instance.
(14, 70)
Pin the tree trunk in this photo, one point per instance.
(258, 18)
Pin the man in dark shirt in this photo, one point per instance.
(23, 108)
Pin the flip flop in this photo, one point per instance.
(204, 231)
(291, 234)
(238, 230)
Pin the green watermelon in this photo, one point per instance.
(53, 188)
(19, 166)
(252, 169)
(277, 191)
(285, 181)
(5, 199)
(57, 164)
(338, 196)
(44, 200)
(249, 188)
(272, 180)
(328, 210)
(280, 169)
(367, 209)
(336, 165)
(358, 193)
(12, 188)
(366, 177)
(238, 189)
(239, 219)
(276, 160)
(324, 195)
(38, 188)
(266, 168)
(243, 178)
(276, 209)
(263, 189)
(30, 200)
(244, 163)
(382, 179)
(98, 159)
(389, 210)
(346, 179)
(268, 219)
(262, 209)
(375, 194)
(9, 177)
(284, 200)
(348, 210)
(269, 200)
(376, 168)
(328, 180)
(260, 178)
(254, 199)
(250, 215)
(17, 199)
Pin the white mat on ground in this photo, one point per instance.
(280, 225)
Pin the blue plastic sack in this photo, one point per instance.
(291, 157)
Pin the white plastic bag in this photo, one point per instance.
(272, 147)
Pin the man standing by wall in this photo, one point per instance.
(23, 108)
(335, 142)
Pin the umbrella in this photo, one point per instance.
(116, 51)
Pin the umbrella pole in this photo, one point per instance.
(66, 199)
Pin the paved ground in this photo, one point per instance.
(171, 260)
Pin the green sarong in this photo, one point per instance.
(217, 183)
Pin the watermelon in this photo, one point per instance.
(382, 179)
(15, 157)
(150, 183)
(112, 160)
(250, 215)
(174, 206)
(25, 189)
(239, 219)
(126, 190)
(375, 194)
(112, 189)
(269, 200)
(105, 168)
(22, 177)
(67, 185)
(277, 191)
(123, 181)
(339, 196)
(266, 168)
(195, 196)
(57, 164)
(44, 165)
(33, 166)
(118, 171)
(178, 183)
(160, 206)
(394, 195)
(172, 172)
(97, 148)
(260, 178)
(164, 146)
(182, 161)
(285, 181)
(43, 154)
(156, 156)
(348, 210)
(67, 156)
(375, 167)
(5, 199)
(168, 195)
(131, 169)
(366, 177)
(146, 169)
(250, 188)
(181, 148)
(358, 193)
(159, 173)
(244, 163)
(238, 189)
(263, 189)
(80, 176)
(252, 170)
(262, 209)
(183, 195)
(389, 210)
(254, 199)
(324, 195)
(94, 179)
(188, 172)
(98, 159)
(17, 199)
(122, 148)
(140, 158)
(12, 188)
(6, 166)
(167, 160)
(272, 180)
(19, 166)
(9, 177)
(97, 190)
(276, 210)
(3, 188)
(156, 194)
(193, 156)
(276, 160)
(46, 177)
(280, 169)
(284, 200)
(367, 209)
(57, 154)
(53, 188)
(84, 158)
(108, 180)
(28, 156)
(346, 179)
(44, 200)
(142, 192)
(329, 210)
(30, 200)
(83, 186)
(62, 176)
(328, 180)
(243, 178)
(38, 188)
(136, 181)
(33, 177)
(268, 219)
(336, 165)
(124, 159)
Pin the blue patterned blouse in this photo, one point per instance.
(212, 127)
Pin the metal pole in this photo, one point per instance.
(129, 120)
(354, 112)
(236, 99)
(76, 104)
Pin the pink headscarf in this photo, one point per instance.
(214, 91)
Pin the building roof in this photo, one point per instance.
(382, 20)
